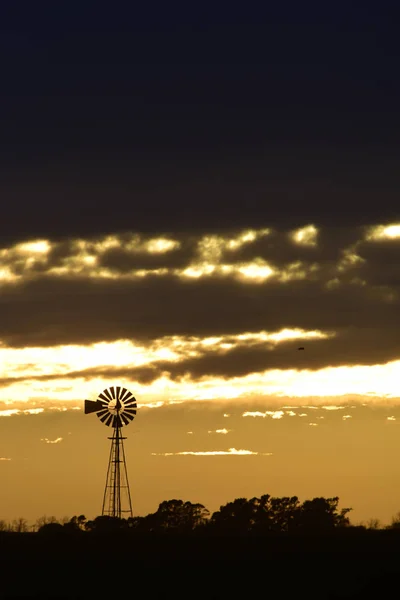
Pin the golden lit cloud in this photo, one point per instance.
(84, 258)
(350, 259)
(35, 247)
(56, 441)
(254, 282)
(274, 414)
(306, 236)
(223, 431)
(230, 452)
(370, 382)
(383, 232)
(3, 458)
(15, 411)
(35, 372)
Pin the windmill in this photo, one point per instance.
(115, 407)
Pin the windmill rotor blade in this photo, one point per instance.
(92, 406)
(110, 392)
(103, 412)
(130, 402)
(119, 415)
(106, 392)
(125, 394)
(130, 411)
(124, 418)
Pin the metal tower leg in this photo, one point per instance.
(117, 497)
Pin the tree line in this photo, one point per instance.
(266, 514)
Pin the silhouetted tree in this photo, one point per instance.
(277, 514)
(321, 515)
(176, 515)
(76, 523)
(238, 516)
(373, 524)
(137, 523)
(265, 514)
(44, 521)
(395, 522)
(4, 526)
(20, 525)
(51, 528)
(105, 523)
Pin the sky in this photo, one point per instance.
(188, 197)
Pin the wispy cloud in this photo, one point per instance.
(274, 414)
(56, 441)
(230, 452)
(223, 431)
(391, 418)
(16, 411)
(4, 458)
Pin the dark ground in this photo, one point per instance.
(362, 565)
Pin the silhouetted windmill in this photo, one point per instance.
(115, 407)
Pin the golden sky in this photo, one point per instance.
(204, 329)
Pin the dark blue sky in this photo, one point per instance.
(153, 117)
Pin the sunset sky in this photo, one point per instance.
(186, 200)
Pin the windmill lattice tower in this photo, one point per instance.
(115, 407)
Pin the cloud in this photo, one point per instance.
(219, 308)
(274, 414)
(16, 411)
(230, 452)
(2, 458)
(391, 418)
(11, 408)
(223, 431)
(76, 286)
(56, 441)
